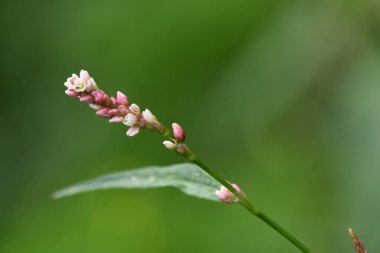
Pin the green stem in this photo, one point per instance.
(244, 201)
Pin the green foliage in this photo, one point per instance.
(189, 178)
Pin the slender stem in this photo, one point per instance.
(244, 201)
(283, 232)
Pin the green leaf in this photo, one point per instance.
(189, 178)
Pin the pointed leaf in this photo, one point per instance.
(189, 178)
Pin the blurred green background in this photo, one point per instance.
(281, 97)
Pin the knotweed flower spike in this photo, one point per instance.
(116, 110)
(358, 245)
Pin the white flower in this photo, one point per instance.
(79, 85)
(130, 120)
(70, 81)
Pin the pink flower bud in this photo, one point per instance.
(121, 98)
(71, 93)
(103, 112)
(113, 112)
(132, 131)
(98, 96)
(84, 75)
(169, 145)
(130, 120)
(149, 117)
(87, 98)
(116, 119)
(123, 109)
(107, 99)
(135, 109)
(114, 102)
(226, 195)
(178, 132)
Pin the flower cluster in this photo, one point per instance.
(117, 110)
(179, 137)
(226, 195)
(358, 245)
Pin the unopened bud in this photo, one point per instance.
(226, 195)
(178, 132)
(113, 101)
(95, 106)
(116, 119)
(91, 85)
(121, 98)
(113, 112)
(132, 131)
(71, 93)
(98, 96)
(87, 98)
(149, 117)
(103, 112)
(169, 145)
(123, 109)
(84, 76)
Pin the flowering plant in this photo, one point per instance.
(194, 178)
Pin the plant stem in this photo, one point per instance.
(244, 201)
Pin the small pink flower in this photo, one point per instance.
(178, 132)
(121, 98)
(132, 131)
(226, 195)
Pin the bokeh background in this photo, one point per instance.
(281, 97)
